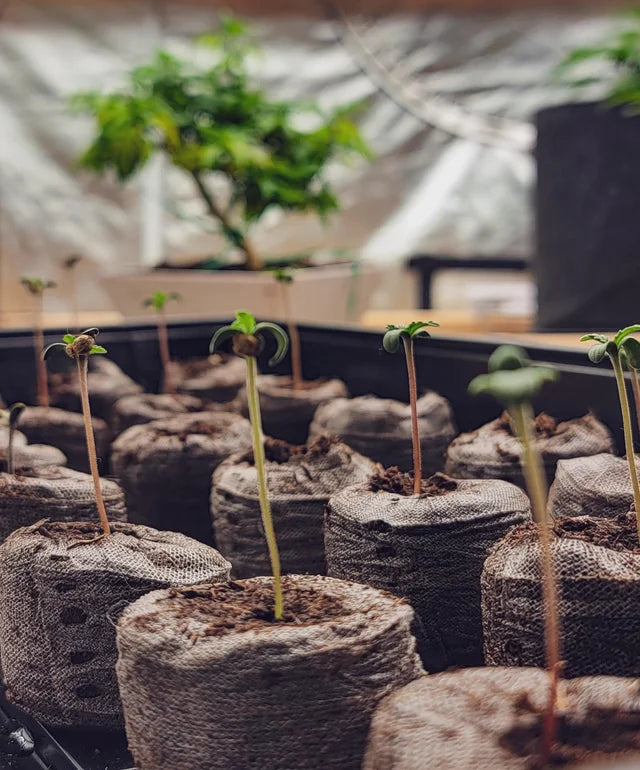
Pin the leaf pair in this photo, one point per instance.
(621, 345)
(70, 339)
(395, 334)
(512, 379)
(159, 299)
(245, 324)
(37, 286)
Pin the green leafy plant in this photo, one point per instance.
(36, 288)
(11, 416)
(248, 340)
(284, 276)
(79, 348)
(391, 343)
(514, 382)
(622, 349)
(218, 128)
(158, 301)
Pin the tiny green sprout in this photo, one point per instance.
(622, 349)
(79, 348)
(36, 287)
(71, 261)
(12, 415)
(247, 339)
(391, 343)
(282, 274)
(158, 301)
(514, 382)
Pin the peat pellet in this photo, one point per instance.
(597, 563)
(301, 479)
(56, 493)
(165, 468)
(19, 439)
(217, 378)
(599, 485)
(380, 428)
(494, 452)
(428, 548)
(141, 408)
(287, 413)
(65, 430)
(31, 456)
(60, 600)
(243, 692)
(491, 719)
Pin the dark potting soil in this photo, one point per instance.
(395, 481)
(240, 606)
(278, 451)
(544, 425)
(60, 530)
(619, 533)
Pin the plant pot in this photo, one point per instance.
(65, 430)
(586, 217)
(301, 479)
(338, 293)
(287, 413)
(59, 605)
(494, 452)
(218, 378)
(31, 456)
(107, 383)
(55, 493)
(165, 468)
(141, 408)
(429, 549)
(492, 718)
(245, 693)
(599, 485)
(597, 562)
(380, 428)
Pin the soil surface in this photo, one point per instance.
(278, 451)
(618, 534)
(287, 383)
(544, 425)
(60, 530)
(395, 481)
(240, 606)
(200, 428)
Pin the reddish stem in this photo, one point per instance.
(413, 400)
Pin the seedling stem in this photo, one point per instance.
(628, 434)
(413, 401)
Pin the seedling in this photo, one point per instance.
(621, 349)
(79, 348)
(514, 382)
(158, 301)
(284, 278)
(12, 416)
(391, 343)
(37, 287)
(248, 341)
(69, 264)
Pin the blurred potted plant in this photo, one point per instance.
(244, 153)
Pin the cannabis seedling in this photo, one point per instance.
(12, 416)
(514, 382)
(284, 278)
(621, 349)
(79, 348)
(248, 341)
(158, 301)
(391, 343)
(37, 287)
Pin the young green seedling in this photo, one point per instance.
(514, 382)
(248, 341)
(284, 278)
(69, 264)
(12, 416)
(158, 301)
(79, 348)
(621, 349)
(391, 343)
(37, 287)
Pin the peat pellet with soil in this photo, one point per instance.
(287, 412)
(428, 548)
(380, 428)
(59, 603)
(599, 485)
(217, 378)
(31, 456)
(491, 719)
(301, 479)
(142, 408)
(597, 563)
(55, 493)
(493, 451)
(65, 430)
(241, 691)
(165, 468)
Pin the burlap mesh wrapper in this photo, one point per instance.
(55, 493)
(107, 383)
(65, 430)
(380, 428)
(493, 452)
(599, 605)
(287, 413)
(141, 408)
(468, 719)
(217, 378)
(165, 468)
(59, 606)
(299, 488)
(292, 696)
(31, 456)
(429, 550)
(599, 485)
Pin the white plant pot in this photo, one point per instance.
(336, 293)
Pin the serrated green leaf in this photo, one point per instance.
(244, 322)
(280, 336)
(69, 339)
(624, 333)
(97, 349)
